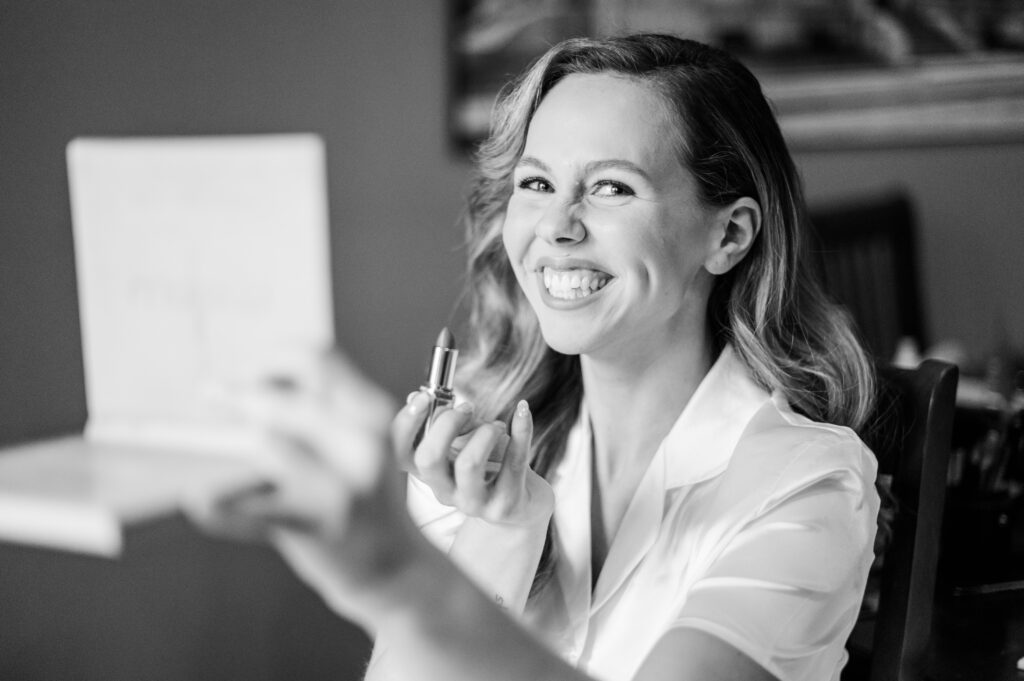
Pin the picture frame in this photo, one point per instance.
(841, 74)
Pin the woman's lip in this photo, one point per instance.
(566, 264)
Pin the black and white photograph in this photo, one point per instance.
(536, 340)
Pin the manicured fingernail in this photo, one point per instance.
(283, 382)
(419, 402)
(522, 409)
(235, 497)
(466, 408)
(411, 396)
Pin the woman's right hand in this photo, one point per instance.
(456, 458)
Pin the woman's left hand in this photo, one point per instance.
(482, 469)
(334, 504)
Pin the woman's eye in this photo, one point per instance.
(610, 188)
(534, 184)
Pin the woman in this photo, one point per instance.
(681, 494)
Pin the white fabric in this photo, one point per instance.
(752, 524)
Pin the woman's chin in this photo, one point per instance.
(567, 341)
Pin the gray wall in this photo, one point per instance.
(969, 201)
(369, 76)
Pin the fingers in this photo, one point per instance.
(304, 495)
(255, 515)
(431, 458)
(487, 443)
(225, 514)
(299, 409)
(480, 469)
(511, 477)
(406, 425)
(331, 473)
(330, 376)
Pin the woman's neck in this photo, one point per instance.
(634, 401)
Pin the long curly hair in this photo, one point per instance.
(770, 306)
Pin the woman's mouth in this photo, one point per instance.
(573, 284)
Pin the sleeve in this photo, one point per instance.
(787, 587)
(438, 522)
(500, 559)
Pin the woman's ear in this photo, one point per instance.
(734, 229)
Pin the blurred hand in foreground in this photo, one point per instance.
(334, 500)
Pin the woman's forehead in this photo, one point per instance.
(609, 93)
(604, 114)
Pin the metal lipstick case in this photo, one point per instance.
(440, 377)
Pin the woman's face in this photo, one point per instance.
(604, 229)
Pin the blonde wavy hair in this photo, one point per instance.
(770, 307)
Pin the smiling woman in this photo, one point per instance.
(681, 494)
(617, 208)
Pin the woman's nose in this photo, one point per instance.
(561, 224)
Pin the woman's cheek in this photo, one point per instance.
(516, 241)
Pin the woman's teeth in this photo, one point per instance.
(572, 284)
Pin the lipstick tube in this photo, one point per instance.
(440, 378)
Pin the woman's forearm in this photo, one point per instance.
(436, 624)
(500, 558)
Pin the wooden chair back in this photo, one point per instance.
(912, 440)
(866, 250)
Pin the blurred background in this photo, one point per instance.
(376, 79)
(390, 86)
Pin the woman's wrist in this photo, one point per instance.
(501, 558)
(418, 597)
(382, 573)
(534, 509)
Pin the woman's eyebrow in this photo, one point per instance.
(535, 162)
(593, 166)
(617, 164)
